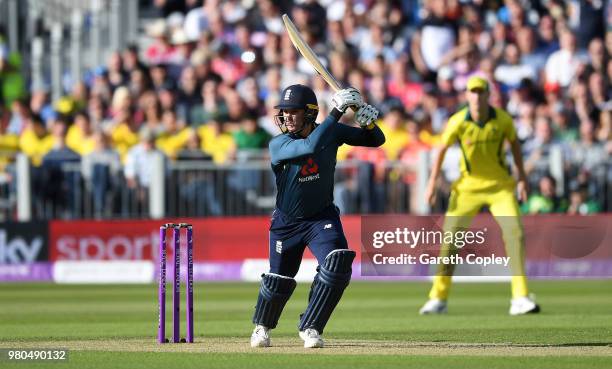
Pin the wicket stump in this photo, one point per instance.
(176, 283)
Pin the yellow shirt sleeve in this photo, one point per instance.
(451, 132)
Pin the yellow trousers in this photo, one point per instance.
(463, 206)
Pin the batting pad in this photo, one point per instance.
(274, 293)
(330, 282)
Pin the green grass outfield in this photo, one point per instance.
(375, 326)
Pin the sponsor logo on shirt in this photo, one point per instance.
(309, 171)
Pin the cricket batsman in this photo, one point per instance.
(303, 161)
(481, 131)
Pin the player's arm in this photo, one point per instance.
(369, 135)
(521, 185)
(517, 156)
(430, 192)
(284, 147)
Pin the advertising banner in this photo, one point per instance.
(214, 239)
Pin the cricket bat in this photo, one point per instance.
(308, 54)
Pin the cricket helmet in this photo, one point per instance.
(297, 97)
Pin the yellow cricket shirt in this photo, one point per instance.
(217, 145)
(395, 140)
(123, 138)
(77, 141)
(171, 144)
(483, 166)
(35, 147)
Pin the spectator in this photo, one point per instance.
(588, 153)
(435, 38)
(80, 135)
(379, 97)
(248, 91)
(597, 56)
(375, 45)
(160, 51)
(12, 83)
(100, 170)
(60, 182)
(562, 65)
(530, 55)
(525, 122)
(188, 94)
(201, 61)
(114, 71)
(433, 109)
(545, 200)
(174, 135)
(235, 109)
(548, 42)
(598, 88)
(180, 55)
(160, 79)
(39, 104)
(138, 169)
(564, 130)
(139, 83)
(268, 122)
(396, 136)
(580, 204)
(131, 60)
(400, 86)
(34, 141)
(123, 132)
(19, 117)
(216, 142)
(512, 72)
(213, 106)
(586, 20)
(151, 112)
(250, 136)
(196, 20)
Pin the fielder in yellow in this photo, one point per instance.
(481, 132)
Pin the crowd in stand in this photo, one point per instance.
(204, 85)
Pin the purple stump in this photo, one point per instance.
(189, 283)
(161, 330)
(176, 286)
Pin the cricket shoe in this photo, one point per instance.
(523, 305)
(260, 337)
(434, 306)
(312, 338)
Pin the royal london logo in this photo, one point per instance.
(309, 171)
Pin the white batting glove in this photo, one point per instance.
(366, 115)
(346, 98)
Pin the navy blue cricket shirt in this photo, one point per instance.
(304, 167)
